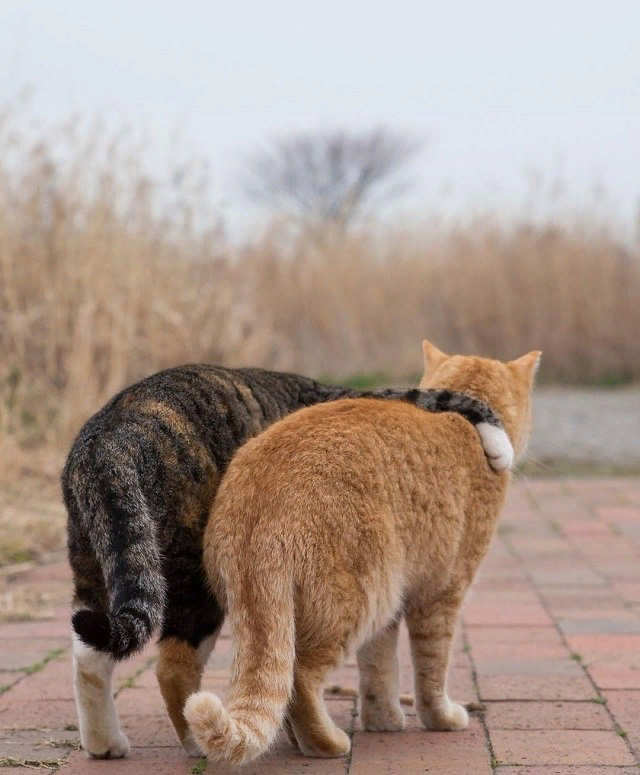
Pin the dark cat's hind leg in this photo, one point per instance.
(179, 671)
(315, 732)
(380, 709)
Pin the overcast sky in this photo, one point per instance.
(499, 87)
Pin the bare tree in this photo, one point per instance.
(329, 177)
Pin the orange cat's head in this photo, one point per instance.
(506, 387)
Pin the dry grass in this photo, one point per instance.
(363, 304)
(107, 275)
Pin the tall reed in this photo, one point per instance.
(107, 275)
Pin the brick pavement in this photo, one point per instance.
(549, 642)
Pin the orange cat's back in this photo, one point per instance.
(348, 468)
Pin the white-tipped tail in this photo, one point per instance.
(220, 735)
(497, 446)
(246, 725)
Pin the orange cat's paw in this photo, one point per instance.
(379, 717)
(446, 717)
(325, 743)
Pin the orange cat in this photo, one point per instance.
(330, 527)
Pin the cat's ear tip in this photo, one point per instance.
(432, 355)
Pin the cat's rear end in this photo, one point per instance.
(329, 528)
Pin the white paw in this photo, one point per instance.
(449, 716)
(114, 749)
(497, 446)
(376, 717)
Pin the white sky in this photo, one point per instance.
(500, 87)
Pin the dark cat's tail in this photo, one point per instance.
(495, 441)
(263, 625)
(116, 520)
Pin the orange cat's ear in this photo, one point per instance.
(527, 365)
(432, 356)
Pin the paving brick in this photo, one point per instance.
(547, 715)
(517, 593)
(535, 667)
(482, 614)
(53, 682)
(553, 769)
(220, 658)
(539, 489)
(149, 730)
(16, 653)
(578, 527)
(576, 598)
(284, 759)
(615, 676)
(40, 714)
(525, 523)
(60, 629)
(618, 570)
(536, 695)
(629, 530)
(516, 643)
(612, 544)
(500, 574)
(16, 769)
(445, 753)
(614, 625)
(159, 761)
(582, 577)
(592, 646)
(8, 679)
(136, 663)
(460, 685)
(617, 514)
(625, 708)
(628, 590)
(529, 687)
(31, 745)
(145, 680)
(214, 681)
(542, 545)
(141, 701)
(577, 747)
(610, 607)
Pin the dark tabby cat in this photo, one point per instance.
(138, 486)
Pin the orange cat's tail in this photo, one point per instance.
(245, 726)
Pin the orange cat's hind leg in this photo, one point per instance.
(380, 709)
(431, 632)
(309, 721)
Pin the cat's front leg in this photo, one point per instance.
(431, 631)
(380, 709)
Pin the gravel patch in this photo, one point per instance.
(586, 425)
